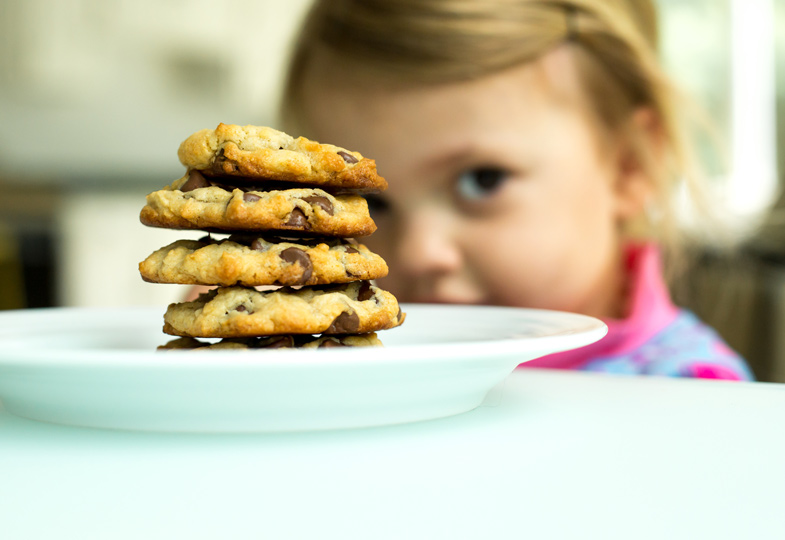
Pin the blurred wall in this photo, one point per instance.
(108, 88)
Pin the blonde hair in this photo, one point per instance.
(614, 47)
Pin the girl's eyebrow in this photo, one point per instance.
(450, 155)
(466, 152)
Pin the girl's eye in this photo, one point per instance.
(476, 184)
(377, 205)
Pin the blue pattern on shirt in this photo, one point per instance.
(681, 349)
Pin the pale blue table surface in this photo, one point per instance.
(551, 455)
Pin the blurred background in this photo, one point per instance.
(96, 96)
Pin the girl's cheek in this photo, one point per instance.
(499, 251)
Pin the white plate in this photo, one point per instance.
(98, 367)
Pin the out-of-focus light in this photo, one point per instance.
(753, 178)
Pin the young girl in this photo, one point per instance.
(533, 151)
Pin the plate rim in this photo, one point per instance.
(591, 330)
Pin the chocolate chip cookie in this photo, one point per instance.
(289, 205)
(192, 202)
(253, 260)
(277, 342)
(254, 153)
(353, 308)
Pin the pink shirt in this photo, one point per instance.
(656, 338)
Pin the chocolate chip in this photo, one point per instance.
(400, 315)
(330, 343)
(365, 292)
(222, 165)
(322, 202)
(258, 245)
(280, 342)
(195, 181)
(298, 256)
(250, 197)
(241, 308)
(350, 249)
(297, 220)
(346, 323)
(347, 157)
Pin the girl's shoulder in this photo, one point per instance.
(684, 348)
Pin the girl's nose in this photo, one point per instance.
(427, 243)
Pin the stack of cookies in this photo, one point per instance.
(280, 215)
